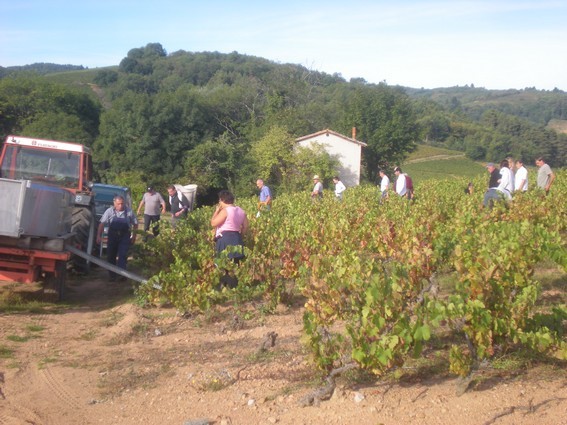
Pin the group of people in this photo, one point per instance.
(230, 222)
(512, 177)
(403, 186)
(317, 192)
(121, 223)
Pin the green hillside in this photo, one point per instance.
(429, 162)
(459, 167)
(218, 120)
(426, 152)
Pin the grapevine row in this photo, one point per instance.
(369, 272)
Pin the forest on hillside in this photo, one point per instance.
(222, 120)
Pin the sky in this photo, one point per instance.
(496, 44)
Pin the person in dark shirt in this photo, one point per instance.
(492, 194)
(494, 175)
(179, 205)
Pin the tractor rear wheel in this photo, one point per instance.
(83, 226)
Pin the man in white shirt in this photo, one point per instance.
(384, 185)
(339, 187)
(505, 184)
(401, 188)
(521, 177)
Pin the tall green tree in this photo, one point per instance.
(215, 163)
(273, 155)
(32, 106)
(155, 133)
(385, 120)
(283, 164)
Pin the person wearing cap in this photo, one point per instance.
(494, 175)
(154, 206)
(317, 192)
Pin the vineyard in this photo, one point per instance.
(380, 282)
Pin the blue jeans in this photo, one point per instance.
(491, 196)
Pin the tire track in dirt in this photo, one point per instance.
(17, 415)
(27, 354)
(44, 372)
(41, 376)
(56, 387)
(6, 325)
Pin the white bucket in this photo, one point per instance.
(190, 192)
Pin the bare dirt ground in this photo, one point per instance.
(100, 359)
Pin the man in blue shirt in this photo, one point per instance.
(122, 225)
(265, 196)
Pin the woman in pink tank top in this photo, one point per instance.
(230, 223)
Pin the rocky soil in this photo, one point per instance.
(98, 358)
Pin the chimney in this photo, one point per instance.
(354, 133)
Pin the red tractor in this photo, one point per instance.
(45, 203)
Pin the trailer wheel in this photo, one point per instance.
(85, 232)
(54, 283)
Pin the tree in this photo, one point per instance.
(273, 155)
(45, 109)
(474, 149)
(214, 163)
(106, 77)
(58, 126)
(309, 161)
(385, 120)
(141, 60)
(155, 133)
(277, 159)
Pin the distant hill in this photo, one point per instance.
(541, 107)
(40, 68)
(537, 106)
(181, 108)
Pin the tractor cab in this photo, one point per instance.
(63, 164)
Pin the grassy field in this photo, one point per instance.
(558, 125)
(425, 152)
(85, 76)
(444, 168)
(429, 162)
(84, 81)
